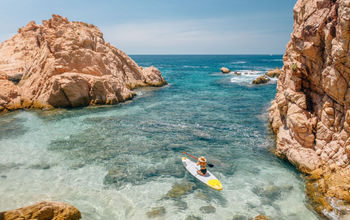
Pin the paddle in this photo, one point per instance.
(209, 165)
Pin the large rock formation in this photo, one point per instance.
(67, 64)
(311, 112)
(43, 211)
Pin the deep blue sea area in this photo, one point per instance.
(124, 161)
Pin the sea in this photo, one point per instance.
(124, 161)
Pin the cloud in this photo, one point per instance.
(207, 36)
(201, 36)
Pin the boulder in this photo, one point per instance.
(261, 217)
(225, 70)
(68, 64)
(275, 73)
(43, 211)
(261, 80)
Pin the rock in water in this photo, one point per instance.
(207, 209)
(225, 70)
(43, 211)
(261, 217)
(192, 217)
(274, 73)
(311, 111)
(261, 80)
(67, 64)
(156, 212)
(179, 189)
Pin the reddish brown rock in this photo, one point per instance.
(225, 70)
(261, 217)
(311, 112)
(68, 64)
(261, 80)
(43, 211)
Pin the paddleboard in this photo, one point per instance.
(209, 179)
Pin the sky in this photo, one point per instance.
(168, 26)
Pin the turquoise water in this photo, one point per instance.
(123, 161)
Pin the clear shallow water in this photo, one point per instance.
(120, 162)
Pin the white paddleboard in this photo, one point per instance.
(209, 179)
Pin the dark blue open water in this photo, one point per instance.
(123, 161)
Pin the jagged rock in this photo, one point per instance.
(261, 80)
(225, 70)
(67, 64)
(274, 73)
(311, 112)
(43, 211)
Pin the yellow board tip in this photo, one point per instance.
(215, 184)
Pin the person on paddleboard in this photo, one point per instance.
(202, 162)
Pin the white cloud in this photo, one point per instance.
(194, 37)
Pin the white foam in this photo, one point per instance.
(247, 76)
(238, 62)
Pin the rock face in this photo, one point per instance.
(311, 112)
(67, 64)
(225, 70)
(43, 211)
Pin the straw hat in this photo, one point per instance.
(202, 159)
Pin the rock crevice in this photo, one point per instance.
(311, 111)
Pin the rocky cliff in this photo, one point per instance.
(311, 111)
(66, 64)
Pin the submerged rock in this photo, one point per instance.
(274, 73)
(261, 80)
(179, 189)
(181, 204)
(40, 166)
(193, 217)
(67, 64)
(207, 209)
(156, 212)
(43, 211)
(225, 70)
(271, 193)
(239, 217)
